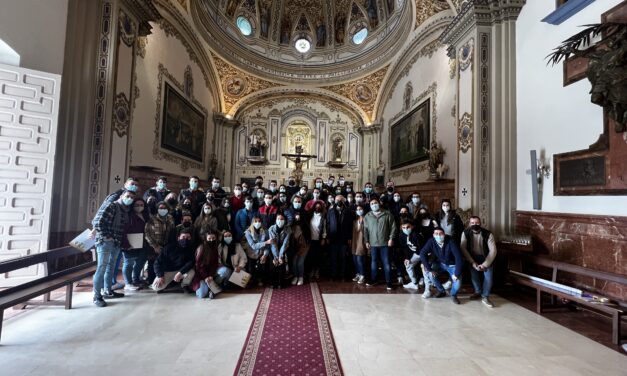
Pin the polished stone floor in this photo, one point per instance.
(375, 334)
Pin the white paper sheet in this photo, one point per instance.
(241, 279)
(136, 240)
(83, 242)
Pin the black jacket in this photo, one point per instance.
(174, 258)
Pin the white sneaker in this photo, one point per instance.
(117, 286)
(362, 279)
(294, 280)
(447, 285)
(300, 281)
(131, 288)
(421, 282)
(400, 280)
(356, 278)
(426, 294)
(411, 285)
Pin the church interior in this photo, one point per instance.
(507, 116)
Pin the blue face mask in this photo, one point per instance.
(163, 212)
(439, 238)
(161, 185)
(367, 189)
(374, 207)
(193, 185)
(407, 231)
(132, 188)
(127, 201)
(297, 205)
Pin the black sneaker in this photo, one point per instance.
(440, 294)
(454, 299)
(99, 302)
(371, 283)
(112, 295)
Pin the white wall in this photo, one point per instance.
(35, 29)
(170, 52)
(551, 118)
(423, 73)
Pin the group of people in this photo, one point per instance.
(282, 234)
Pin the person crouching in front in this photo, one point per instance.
(175, 263)
(208, 271)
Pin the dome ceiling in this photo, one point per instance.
(305, 41)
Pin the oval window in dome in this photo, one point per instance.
(302, 45)
(244, 26)
(360, 36)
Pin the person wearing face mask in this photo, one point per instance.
(159, 231)
(280, 234)
(291, 188)
(131, 185)
(232, 254)
(415, 204)
(223, 215)
(282, 203)
(314, 200)
(330, 201)
(134, 257)
(369, 193)
(246, 192)
(302, 192)
(322, 193)
(394, 205)
(272, 187)
(109, 224)
(206, 222)
(218, 192)
(330, 185)
(350, 202)
(348, 189)
(425, 223)
(295, 211)
(479, 248)
(259, 198)
(187, 224)
(450, 221)
(175, 263)
(359, 200)
(207, 268)
(317, 230)
(268, 211)
(259, 181)
(299, 241)
(379, 232)
(237, 200)
(339, 235)
(441, 254)
(387, 198)
(411, 243)
(398, 254)
(244, 219)
(257, 248)
(173, 207)
(195, 195)
(358, 245)
(159, 191)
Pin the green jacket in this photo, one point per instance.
(378, 230)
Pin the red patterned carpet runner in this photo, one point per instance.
(290, 335)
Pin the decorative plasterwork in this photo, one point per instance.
(127, 29)
(484, 99)
(426, 51)
(431, 92)
(157, 152)
(140, 46)
(465, 54)
(237, 84)
(363, 91)
(465, 132)
(427, 8)
(183, 4)
(121, 114)
(407, 172)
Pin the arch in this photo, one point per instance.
(8, 55)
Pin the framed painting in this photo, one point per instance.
(182, 126)
(411, 136)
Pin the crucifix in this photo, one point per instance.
(298, 159)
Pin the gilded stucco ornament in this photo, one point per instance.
(465, 132)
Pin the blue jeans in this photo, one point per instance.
(299, 266)
(107, 252)
(450, 269)
(475, 276)
(338, 259)
(382, 253)
(133, 264)
(359, 264)
(221, 278)
(116, 269)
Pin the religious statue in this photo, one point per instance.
(258, 143)
(338, 144)
(371, 8)
(264, 20)
(436, 158)
(340, 24)
(321, 34)
(286, 30)
(607, 67)
(299, 159)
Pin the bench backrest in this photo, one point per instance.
(558, 266)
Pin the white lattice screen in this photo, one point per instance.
(28, 127)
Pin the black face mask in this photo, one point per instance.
(292, 183)
(390, 189)
(211, 242)
(184, 243)
(340, 204)
(187, 206)
(475, 228)
(187, 224)
(172, 202)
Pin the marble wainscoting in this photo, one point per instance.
(592, 241)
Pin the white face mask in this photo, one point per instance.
(446, 209)
(318, 185)
(397, 198)
(163, 212)
(228, 240)
(138, 209)
(215, 185)
(360, 212)
(207, 210)
(415, 200)
(280, 223)
(303, 192)
(237, 192)
(248, 205)
(374, 207)
(316, 195)
(257, 225)
(268, 201)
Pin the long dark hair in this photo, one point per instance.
(206, 253)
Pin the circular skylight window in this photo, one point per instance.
(302, 45)
(360, 36)
(244, 26)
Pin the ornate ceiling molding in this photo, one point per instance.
(363, 92)
(425, 9)
(237, 84)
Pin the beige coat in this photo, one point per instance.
(358, 243)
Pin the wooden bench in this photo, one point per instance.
(615, 311)
(64, 267)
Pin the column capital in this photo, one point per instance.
(369, 129)
(146, 12)
(225, 120)
(480, 13)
